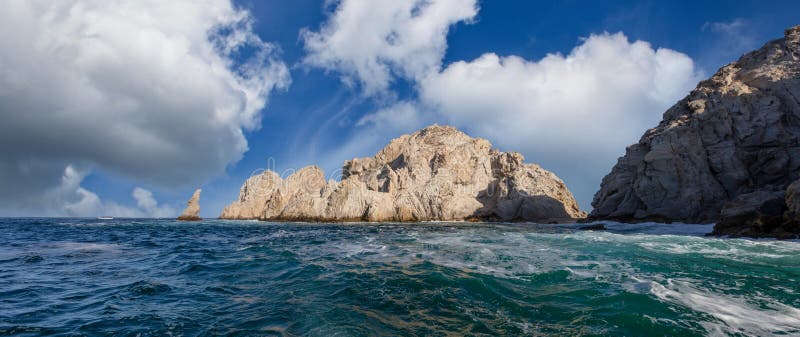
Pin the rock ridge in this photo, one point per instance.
(435, 174)
(725, 153)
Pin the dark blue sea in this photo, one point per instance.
(140, 277)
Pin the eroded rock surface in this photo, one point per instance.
(753, 214)
(793, 202)
(729, 148)
(435, 174)
(192, 210)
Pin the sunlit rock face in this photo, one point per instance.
(729, 148)
(192, 211)
(435, 174)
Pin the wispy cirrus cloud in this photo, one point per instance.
(730, 40)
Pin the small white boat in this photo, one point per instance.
(105, 218)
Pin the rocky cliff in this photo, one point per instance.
(727, 152)
(192, 210)
(437, 173)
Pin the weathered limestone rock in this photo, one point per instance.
(192, 211)
(437, 173)
(252, 196)
(737, 133)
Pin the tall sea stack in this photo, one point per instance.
(192, 211)
(726, 153)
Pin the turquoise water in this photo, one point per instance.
(157, 277)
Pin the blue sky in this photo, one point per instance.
(320, 113)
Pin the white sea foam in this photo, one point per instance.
(602, 257)
(512, 254)
(725, 251)
(742, 250)
(734, 313)
(69, 246)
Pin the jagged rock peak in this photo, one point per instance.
(192, 210)
(736, 134)
(436, 173)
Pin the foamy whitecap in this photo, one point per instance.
(736, 314)
(86, 247)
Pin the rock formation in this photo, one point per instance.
(437, 173)
(726, 152)
(793, 202)
(192, 210)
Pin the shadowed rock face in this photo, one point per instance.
(733, 143)
(192, 211)
(437, 173)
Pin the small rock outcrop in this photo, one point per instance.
(792, 201)
(436, 174)
(726, 153)
(192, 210)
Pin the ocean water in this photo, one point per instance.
(74, 277)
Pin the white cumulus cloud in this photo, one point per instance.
(149, 205)
(155, 91)
(574, 113)
(69, 198)
(598, 98)
(370, 42)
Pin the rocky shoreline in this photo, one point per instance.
(728, 153)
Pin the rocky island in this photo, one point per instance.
(435, 174)
(729, 152)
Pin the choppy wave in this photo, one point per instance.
(733, 313)
(158, 277)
